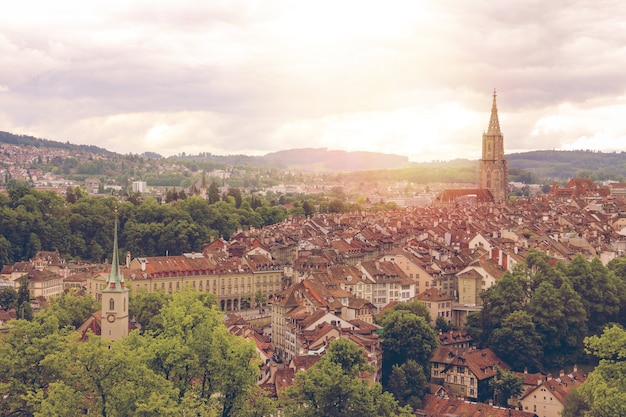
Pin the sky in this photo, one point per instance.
(407, 77)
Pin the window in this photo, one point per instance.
(111, 304)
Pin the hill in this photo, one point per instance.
(529, 167)
(335, 160)
(563, 165)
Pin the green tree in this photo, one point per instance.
(213, 193)
(145, 308)
(309, 209)
(406, 336)
(408, 383)
(330, 389)
(604, 391)
(350, 357)
(506, 296)
(517, 342)
(70, 309)
(24, 366)
(260, 298)
(416, 307)
(598, 291)
(505, 385)
(112, 379)
(8, 298)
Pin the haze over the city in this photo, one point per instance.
(411, 77)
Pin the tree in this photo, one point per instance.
(406, 336)
(408, 383)
(309, 209)
(8, 298)
(517, 342)
(330, 388)
(547, 314)
(260, 298)
(351, 358)
(505, 384)
(506, 296)
(24, 365)
(416, 307)
(442, 324)
(598, 291)
(70, 309)
(112, 379)
(213, 193)
(604, 391)
(145, 308)
(24, 309)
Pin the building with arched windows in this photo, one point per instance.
(493, 169)
(492, 175)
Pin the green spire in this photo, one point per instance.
(116, 279)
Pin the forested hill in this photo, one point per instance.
(563, 165)
(541, 165)
(25, 140)
(337, 160)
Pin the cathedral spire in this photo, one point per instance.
(494, 123)
(116, 279)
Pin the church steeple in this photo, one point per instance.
(115, 281)
(493, 170)
(494, 123)
(114, 323)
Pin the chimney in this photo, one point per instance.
(143, 265)
(128, 259)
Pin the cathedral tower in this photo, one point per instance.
(115, 300)
(493, 169)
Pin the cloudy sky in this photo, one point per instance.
(411, 77)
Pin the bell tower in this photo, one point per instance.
(115, 300)
(493, 169)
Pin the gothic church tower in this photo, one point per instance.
(115, 300)
(493, 169)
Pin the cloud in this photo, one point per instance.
(408, 77)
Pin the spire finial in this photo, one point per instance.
(494, 123)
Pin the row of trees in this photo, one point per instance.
(184, 361)
(79, 227)
(539, 315)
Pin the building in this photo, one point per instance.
(139, 187)
(546, 399)
(438, 304)
(465, 372)
(114, 316)
(493, 170)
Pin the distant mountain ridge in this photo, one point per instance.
(550, 164)
(337, 160)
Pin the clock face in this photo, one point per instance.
(111, 318)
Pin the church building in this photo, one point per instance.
(115, 300)
(493, 169)
(492, 173)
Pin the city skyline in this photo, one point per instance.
(411, 78)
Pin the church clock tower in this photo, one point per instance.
(493, 169)
(115, 300)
